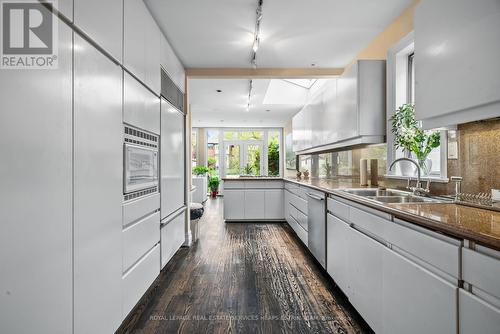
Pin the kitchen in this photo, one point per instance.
(343, 157)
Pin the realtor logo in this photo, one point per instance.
(29, 35)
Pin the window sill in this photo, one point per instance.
(432, 178)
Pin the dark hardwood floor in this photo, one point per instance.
(244, 278)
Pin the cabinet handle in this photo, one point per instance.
(315, 197)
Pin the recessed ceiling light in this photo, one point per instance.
(267, 110)
(219, 91)
(222, 121)
(313, 64)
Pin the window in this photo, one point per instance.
(213, 152)
(401, 86)
(273, 153)
(194, 147)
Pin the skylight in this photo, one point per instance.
(304, 83)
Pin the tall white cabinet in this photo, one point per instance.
(36, 212)
(457, 52)
(97, 190)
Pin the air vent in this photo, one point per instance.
(137, 194)
(140, 137)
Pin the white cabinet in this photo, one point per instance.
(273, 204)
(172, 237)
(98, 190)
(141, 44)
(349, 110)
(36, 210)
(141, 108)
(102, 21)
(234, 204)
(254, 204)
(337, 251)
(476, 315)
(415, 300)
(171, 64)
(172, 159)
(365, 277)
(456, 52)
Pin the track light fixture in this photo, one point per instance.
(256, 37)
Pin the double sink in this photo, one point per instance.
(391, 196)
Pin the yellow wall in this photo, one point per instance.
(377, 49)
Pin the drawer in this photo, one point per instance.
(438, 250)
(338, 209)
(299, 203)
(301, 233)
(370, 223)
(302, 220)
(139, 238)
(140, 208)
(172, 238)
(234, 184)
(264, 184)
(293, 211)
(291, 186)
(482, 271)
(302, 192)
(139, 278)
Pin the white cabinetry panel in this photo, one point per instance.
(141, 108)
(172, 159)
(476, 315)
(171, 64)
(172, 237)
(415, 300)
(102, 21)
(234, 204)
(254, 204)
(273, 204)
(457, 53)
(36, 197)
(98, 191)
(139, 238)
(337, 250)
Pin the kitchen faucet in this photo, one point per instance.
(417, 190)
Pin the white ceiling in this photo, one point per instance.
(295, 33)
(210, 107)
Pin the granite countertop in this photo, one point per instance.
(251, 178)
(479, 225)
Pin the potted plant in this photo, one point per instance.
(305, 172)
(409, 136)
(213, 184)
(248, 170)
(200, 170)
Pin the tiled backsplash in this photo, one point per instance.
(478, 161)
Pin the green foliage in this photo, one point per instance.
(408, 134)
(248, 169)
(213, 183)
(273, 157)
(200, 170)
(212, 163)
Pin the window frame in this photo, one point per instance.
(400, 58)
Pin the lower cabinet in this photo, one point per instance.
(234, 200)
(255, 204)
(172, 237)
(337, 250)
(257, 201)
(476, 315)
(273, 208)
(415, 300)
(138, 279)
(365, 256)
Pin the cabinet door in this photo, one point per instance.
(365, 277)
(345, 123)
(254, 204)
(36, 210)
(172, 159)
(98, 193)
(171, 64)
(134, 41)
(274, 204)
(152, 55)
(415, 300)
(103, 22)
(234, 204)
(172, 238)
(451, 35)
(141, 108)
(337, 251)
(286, 205)
(298, 132)
(476, 315)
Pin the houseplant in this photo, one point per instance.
(200, 170)
(409, 136)
(305, 172)
(248, 170)
(213, 184)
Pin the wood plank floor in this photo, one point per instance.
(244, 278)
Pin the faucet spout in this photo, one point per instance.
(418, 187)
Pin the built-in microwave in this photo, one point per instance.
(140, 157)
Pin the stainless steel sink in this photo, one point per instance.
(404, 199)
(391, 196)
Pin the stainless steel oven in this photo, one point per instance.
(140, 158)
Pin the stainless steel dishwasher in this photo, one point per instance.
(316, 216)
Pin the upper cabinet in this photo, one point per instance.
(102, 21)
(456, 57)
(346, 111)
(171, 64)
(141, 44)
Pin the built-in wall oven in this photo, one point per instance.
(140, 158)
